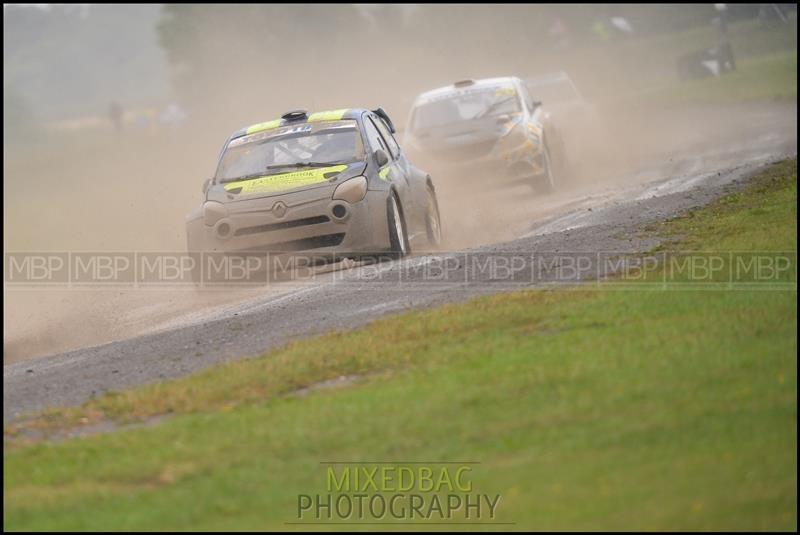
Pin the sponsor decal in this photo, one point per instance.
(505, 92)
(283, 181)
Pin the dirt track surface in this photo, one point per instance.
(589, 217)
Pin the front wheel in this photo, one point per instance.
(398, 238)
(433, 220)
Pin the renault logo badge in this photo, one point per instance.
(279, 209)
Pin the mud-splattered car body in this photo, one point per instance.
(332, 183)
(491, 127)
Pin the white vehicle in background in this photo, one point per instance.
(557, 89)
(491, 128)
(577, 119)
(564, 100)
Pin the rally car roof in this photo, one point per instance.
(485, 83)
(300, 117)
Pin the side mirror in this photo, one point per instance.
(381, 157)
(206, 185)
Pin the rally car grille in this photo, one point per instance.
(282, 225)
(305, 244)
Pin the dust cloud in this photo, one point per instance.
(93, 189)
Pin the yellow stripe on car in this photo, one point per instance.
(260, 127)
(333, 115)
(383, 173)
(283, 181)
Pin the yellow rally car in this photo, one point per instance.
(333, 183)
(491, 127)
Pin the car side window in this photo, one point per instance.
(374, 137)
(394, 148)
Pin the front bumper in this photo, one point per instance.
(509, 160)
(319, 225)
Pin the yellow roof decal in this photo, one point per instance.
(333, 115)
(283, 181)
(260, 127)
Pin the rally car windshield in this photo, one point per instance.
(465, 106)
(285, 148)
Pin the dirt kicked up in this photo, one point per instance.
(475, 210)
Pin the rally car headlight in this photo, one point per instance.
(352, 190)
(213, 212)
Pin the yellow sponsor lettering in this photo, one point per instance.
(283, 181)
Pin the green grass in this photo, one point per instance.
(587, 409)
(766, 61)
(762, 218)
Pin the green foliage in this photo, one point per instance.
(72, 60)
(245, 63)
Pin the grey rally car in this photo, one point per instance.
(333, 183)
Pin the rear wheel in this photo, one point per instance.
(433, 220)
(398, 238)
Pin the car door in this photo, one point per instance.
(393, 171)
(412, 183)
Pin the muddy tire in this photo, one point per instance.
(398, 236)
(433, 220)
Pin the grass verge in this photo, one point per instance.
(586, 408)
(760, 78)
